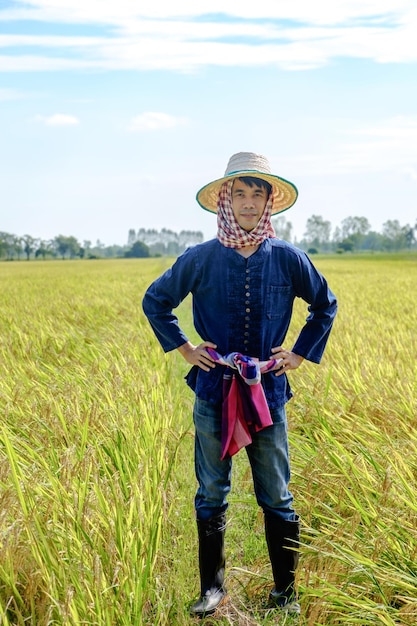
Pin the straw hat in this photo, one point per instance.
(250, 164)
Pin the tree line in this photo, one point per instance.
(354, 234)
(144, 243)
(27, 247)
(164, 242)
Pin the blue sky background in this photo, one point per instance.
(113, 113)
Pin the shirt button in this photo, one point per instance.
(247, 310)
(246, 325)
(246, 334)
(247, 294)
(247, 302)
(246, 286)
(247, 318)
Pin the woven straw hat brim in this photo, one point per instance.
(285, 193)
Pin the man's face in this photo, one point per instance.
(248, 204)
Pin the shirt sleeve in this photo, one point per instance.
(312, 287)
(164, 295)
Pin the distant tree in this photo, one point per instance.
(353, 231)
(61, 245)
(45, 248)
(355, 226)
(373, 241)
(29, 245)
(87, 247)
(18, 246)
(187, 238)
(157, 248)
(317, 234)
(172, 248)
(114, 251)
(139, 250)
(131, 238)
(165, 241)
(3, 244)
(74, 247)
(67, 246)
(409, 236)
(396, 237)
(10, 245)
(283, 228)
(347, 245)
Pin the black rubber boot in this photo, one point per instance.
(212, 563)
(283, 540)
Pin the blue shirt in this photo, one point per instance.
(243, 305)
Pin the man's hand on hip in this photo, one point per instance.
(198, 355)
(289, 360)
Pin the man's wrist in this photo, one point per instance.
(185, 348)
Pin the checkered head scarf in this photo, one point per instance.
(229, 233)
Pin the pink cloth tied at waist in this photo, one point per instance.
(245, 410)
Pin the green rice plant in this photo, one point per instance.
(84, 461)
(353, 449)
(96, 446)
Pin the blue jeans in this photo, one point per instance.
(268, 456)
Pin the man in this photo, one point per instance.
(243, 284)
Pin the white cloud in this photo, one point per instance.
(169, 35)
(124, 11)
(58, 119)
(151, 120)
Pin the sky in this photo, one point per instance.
(113, 113)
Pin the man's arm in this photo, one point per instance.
(312, 287)
(163, 296)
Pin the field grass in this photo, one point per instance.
(96, 456)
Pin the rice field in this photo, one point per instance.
(96, 456)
